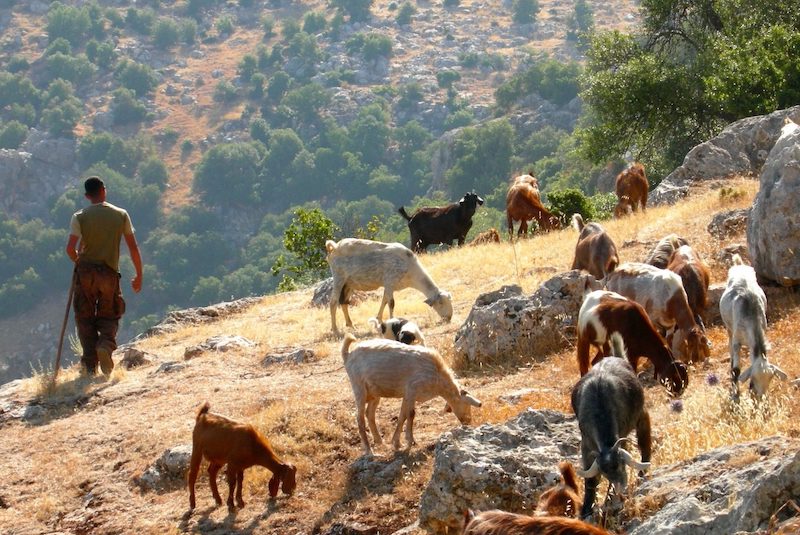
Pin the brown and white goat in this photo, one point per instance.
(661, 293)
(523, 204)
(662, 252)
(631, 187)
(387, 369)
(563, 499)
(595, 251)
(603, 313)
(743, 307)
(225, 441)
(504, 523)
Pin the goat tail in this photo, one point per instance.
(404, 214)
(375, 323)
(577, 222)
(568, 475)
(736, 260)
(203, 410)
(348, 339)
(618, 345)
(330, 246)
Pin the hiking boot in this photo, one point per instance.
(88, 371)
(106, 363)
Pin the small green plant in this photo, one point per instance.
(405, 14)
(603, 205)
(570, 201)
(187, 146)
(728, 194)
(224, 25)
(304, 239)
(224, 91)
(268, 25)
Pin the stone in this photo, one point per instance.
(322, 294)
(170, 366)
(725, 255)
(773, 230)
(728, 223)
(738, 150)
(168, 470)
(507, 323)
(504, 466)
(222, 343)
(198, 315)
(351, 528)
(289, 355)
(134, 358)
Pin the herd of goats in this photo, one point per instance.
(649, 310)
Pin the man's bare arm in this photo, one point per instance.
(136, 257)
(72, 244)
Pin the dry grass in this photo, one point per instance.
(119, 426)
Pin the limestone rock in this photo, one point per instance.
(728, 223)
(193, 316)
(505, 322)
(503, 466)
(134, 358)
(289, 355)
(168, 470)
(740, 148)
(322, 294)
(351, 528)
(773, 230)
(733, 489)
(725, 256)
(222, 343)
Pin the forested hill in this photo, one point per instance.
(240, 134)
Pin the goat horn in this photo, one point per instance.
(629, 460)
(591, 472)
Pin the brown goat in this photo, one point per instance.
(595, 251)
(695, 277)
(631, 187)
(503, 523)
(224, 441)
(662, 252)
(563, 499)
(487, 236)
(603, 313)
(523, 204)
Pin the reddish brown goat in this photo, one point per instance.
(563, 499)
(523, 204)
(695, 276)
(631, 188)
(224, 441)
(503, 523)
(603, 313)
(595, 251)
(487, 236)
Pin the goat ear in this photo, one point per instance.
(470, 399)
(480, 201)
(462, 200)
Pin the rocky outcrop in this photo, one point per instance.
(734, 489)
(773, 229)
(741, 148)
(507, 323)
(167, 471)
(728, 223)
(221, 343)
(194, 316)
(504, 466)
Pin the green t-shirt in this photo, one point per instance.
(100, 228)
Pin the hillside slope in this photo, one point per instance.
(72, 463)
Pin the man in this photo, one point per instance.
(98, 300)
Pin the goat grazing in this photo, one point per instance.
(603, 313)
(487, 236)
(388, 369)
(695, 277)
(662, 252)
(609, 403)
(441, 224)
(661, 293)
(523, 203)
(224, 441)
(595, 251)
(399, 329)
(631, 187)
(563, 499)
(743, 307)
(368, 265)
(504, 523)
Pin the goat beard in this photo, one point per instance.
(274, 483)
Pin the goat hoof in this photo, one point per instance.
(240, 504)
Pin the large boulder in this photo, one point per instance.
(773, 228)
(741, 148)
(508, 323)
(734, 489)
(504, 466)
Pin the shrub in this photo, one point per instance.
(58, 45)
(525, 11)
(153, 171)
(357, 10)
(257, 83)
(187, 146)
(407, 11)
(451, 3)
(166, 33)
(77, 69)
(224, 25)
(137, 77)
(268, 25)
(224, 91)
(125, 108)
(228, 173)
(17, 64)
(314, 22)
(463, 117)
(259, 130)
(278, 85)
(188, 31)
(247, 67)
(60, 117)
(445, 79)
(105, 56)
(304, 239)
(603, 205)
(24, 113)
(570, 201)
(71, 23)
(12, 134)
(377, 46)
(140, 20)
(289, 29)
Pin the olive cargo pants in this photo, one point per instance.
(98, 306)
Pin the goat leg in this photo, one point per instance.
(213, 469)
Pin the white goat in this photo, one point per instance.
(743, 307)
(399, 329)
(368, 265)
(388, 369)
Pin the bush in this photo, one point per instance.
(166, 33)
(77, 69)
(278, 85)
(17, 64)
(137, 77)
(224, 25)
(61, 117)
(140, 20)
(603, 205)
(187, 146)
(376, 46)
(71, 23)
(188, 31)
(259, 130)
(314, 22)
(58, 45)
(153, 171)
(125, 108)
(268, 25)
(525, 11)
(357, 10)
(228, 173)
(451, 3)
(304, 239)
(104, 55)
(247, 67)
(12, 134)
(407, 11)
(224, 92)
(570, 201)
(445, 79)
(459, 119)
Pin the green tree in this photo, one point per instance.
(77, 69)
(126, 108)
(12, 134)
(137, 77)
(166, 33)
(405, 13)
(304, 240)
(247, 67)
(370, 134)
(228, 173)
(357, 10)
(314, 22)
(278, 85)
(525, 11)
(566, 202)
(60, 117)
(307, 101)
(446, 79)
(581, 22)
(153, 171)
(481, 155)
(187, 29)
(71, 23)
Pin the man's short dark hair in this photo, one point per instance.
(93, 185)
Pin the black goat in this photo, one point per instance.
(609, 404)
(441, 224)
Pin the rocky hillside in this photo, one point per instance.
(110, 455)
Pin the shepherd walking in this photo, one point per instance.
(97, 300)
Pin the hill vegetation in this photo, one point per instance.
(219, 125)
